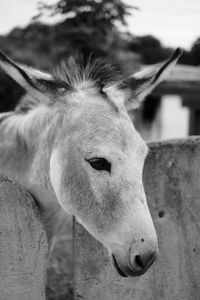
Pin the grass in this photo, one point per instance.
(60, 267)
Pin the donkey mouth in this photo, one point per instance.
(132, 272)
(117, 268)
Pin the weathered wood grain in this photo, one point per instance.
(172, 183)
(23, 245)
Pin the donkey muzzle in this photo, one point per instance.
(136, 264)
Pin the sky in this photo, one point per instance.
(174, 22)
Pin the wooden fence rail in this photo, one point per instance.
(172, 183)
(23, 245)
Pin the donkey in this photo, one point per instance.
(72, 145)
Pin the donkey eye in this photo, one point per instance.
(100, 164)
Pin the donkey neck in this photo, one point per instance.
(25, 149)
(21, 136)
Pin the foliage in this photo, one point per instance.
(150, 48)
(87, 26)
(89, 12)
(60, 267)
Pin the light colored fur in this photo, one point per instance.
(43, 154)
(47, 148)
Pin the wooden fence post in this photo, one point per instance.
(23, 245)
(172, 184)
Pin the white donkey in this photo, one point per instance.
(74, 148)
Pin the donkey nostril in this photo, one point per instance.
(144, 261)
(139, 261)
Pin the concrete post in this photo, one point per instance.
(23, 245)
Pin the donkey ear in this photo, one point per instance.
(132, 90)
(36, 83)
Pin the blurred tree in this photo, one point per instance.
(150, 49)
(90, 26)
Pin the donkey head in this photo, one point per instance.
(96, 164)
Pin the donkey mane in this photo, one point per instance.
(78, 74)
(76, 70)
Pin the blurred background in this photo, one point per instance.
(126, 33)
(129, 34)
